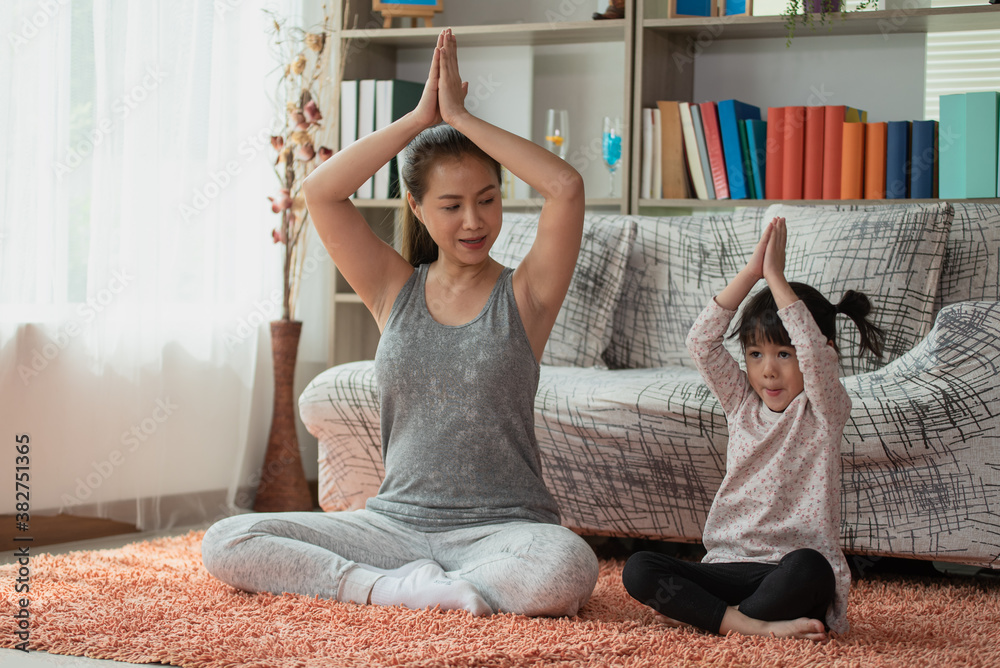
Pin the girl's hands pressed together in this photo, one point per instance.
(774, 258)
(755, 266)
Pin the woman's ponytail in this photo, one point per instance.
(856, 306)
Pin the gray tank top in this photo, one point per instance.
(457, 415)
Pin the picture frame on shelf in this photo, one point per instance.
(736, 8)
(412, 9)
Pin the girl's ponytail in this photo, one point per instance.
(856, 306)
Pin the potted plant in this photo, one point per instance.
(307, 69)
(807, 12)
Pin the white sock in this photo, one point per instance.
(400, 572)
(428, 586)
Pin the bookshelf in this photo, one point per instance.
(662, 43)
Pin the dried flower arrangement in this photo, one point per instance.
(307, 74)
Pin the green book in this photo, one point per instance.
(981, 144)
(747, 167)
(951, 147)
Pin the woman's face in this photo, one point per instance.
(461, 208)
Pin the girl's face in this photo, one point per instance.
(773, 371)
(461, 208)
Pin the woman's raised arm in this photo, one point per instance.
(543, 277)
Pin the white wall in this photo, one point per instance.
(885, 77)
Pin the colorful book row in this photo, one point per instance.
(724, 150)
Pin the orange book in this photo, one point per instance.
(875, 151)
(852, 163)
(793, 156)
(675, 180)
(812, 183)
(775, 150)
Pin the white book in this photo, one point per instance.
(348, 113)
(646, 173)
(691, 150)
(366, 126)
(383, 119)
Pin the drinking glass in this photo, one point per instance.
(611, 147)
(557, 131)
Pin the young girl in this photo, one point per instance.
(463, 519)
(774, 564)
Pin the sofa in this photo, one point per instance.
(634, 445)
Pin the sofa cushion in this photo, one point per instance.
(583, 327)
(678, 264)
(971, 269)
(892, 254)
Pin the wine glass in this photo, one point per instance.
(557, 131)
(611, 146)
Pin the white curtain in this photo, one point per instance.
(136, 264)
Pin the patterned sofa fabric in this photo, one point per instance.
(641, 452)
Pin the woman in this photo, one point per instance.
(463, 519)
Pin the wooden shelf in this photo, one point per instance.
(530, 203)
(514, 34)
(917, 20)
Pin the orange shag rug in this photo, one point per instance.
(154, 602)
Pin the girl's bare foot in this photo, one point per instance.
(804, 628)
(668, 621)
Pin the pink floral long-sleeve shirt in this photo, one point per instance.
(781, 491)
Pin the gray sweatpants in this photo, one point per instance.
(527, 568)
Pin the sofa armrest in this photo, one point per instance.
(921, 461)
(340, 408)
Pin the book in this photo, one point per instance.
(875, 145)
(366, 125)
(852, 164)
(699, 134)
(348, 112)
(646, 169)
(923, 167)
(812, 159)
(775, 152)
(745, 151)
(951, 154)
(691, 152)
(757, 144)
(981, 143)
(394, 98)
(716, 158)
(897, 155)
(656, 184)
(834, 117)
(731, 112)
(793, 153)
(674, 181)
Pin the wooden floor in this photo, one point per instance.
(56, 529)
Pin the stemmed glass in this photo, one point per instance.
(557, 131)
(611, 146)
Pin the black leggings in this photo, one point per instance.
(802, 584)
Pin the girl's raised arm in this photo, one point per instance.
(543, 277)
(371, 266)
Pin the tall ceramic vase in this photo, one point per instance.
(283, 484)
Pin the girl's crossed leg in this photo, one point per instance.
(789, 598)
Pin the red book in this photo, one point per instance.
(716, 158)
(833, 138)
(793, 158)
(812, 186)
(775, 150)
(875, 151)
(852, 164)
